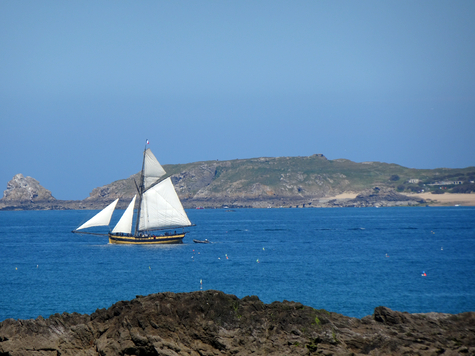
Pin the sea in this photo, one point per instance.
(344, 260)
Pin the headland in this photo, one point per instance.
(273, 182)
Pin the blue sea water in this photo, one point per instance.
(343, 260)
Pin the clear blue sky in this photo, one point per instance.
(83, 84)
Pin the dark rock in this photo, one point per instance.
(214, 323)
(388, 316)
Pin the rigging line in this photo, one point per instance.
(136, 186)
(141, 191)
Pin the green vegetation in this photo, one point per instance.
(463, 188)
(314, 172)
(311, 347)
(235, 306)
(335, 340)
(313, 176)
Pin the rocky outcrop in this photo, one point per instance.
(195, 180)
(26, 189)
(214, 323)
(378, 197)
(26, 193)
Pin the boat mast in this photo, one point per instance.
(141, 189)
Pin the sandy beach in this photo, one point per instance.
(447, 199)
(344, 196)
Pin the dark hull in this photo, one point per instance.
(151, 240)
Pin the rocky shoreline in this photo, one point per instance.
(214, 323)
(25, 193)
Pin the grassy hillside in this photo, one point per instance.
(293, 179)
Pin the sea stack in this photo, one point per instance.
(26, 190)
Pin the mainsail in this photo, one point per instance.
(125, 223)
(102, 218)
(161, 208)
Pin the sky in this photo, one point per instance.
(83, 84)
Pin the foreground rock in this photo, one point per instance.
(214, 323)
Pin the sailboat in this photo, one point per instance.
(159, 209)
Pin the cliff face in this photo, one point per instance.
(213, 323)
(26, 189)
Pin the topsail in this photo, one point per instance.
(152, 170)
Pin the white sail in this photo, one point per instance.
(125, 223)
(102, 218)
(152, 169)
(161, 208)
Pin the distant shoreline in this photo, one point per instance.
(446, 199)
